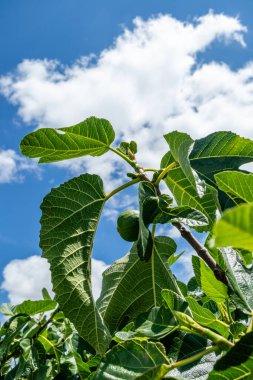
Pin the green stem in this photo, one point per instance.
(230, 318)
(153, 231)
(122, 155)
(150, 170)
(193, 358)
(164, 172)
(250, 326)
(122, 187)
(186, 323)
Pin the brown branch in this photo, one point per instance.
(202, 252)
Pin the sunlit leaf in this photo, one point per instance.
(92, 137)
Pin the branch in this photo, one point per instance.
(202, 252)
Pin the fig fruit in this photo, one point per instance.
(128, 225)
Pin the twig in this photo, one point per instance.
(202, 252)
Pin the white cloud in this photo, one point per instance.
(13, 166)
(24, 279)
(168, 230)
(148, 83)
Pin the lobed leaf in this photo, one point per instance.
(237, 363)
(133, 359)
(220, 151)
(70, 215)
(186, 195)
(28, 307)
(240, 279)
(235, 228)
(182, 214)
(237, 185)
(131, 286)
(213, 288)
(183, 346)
(156, 323)
(206, 318)
(181, 145)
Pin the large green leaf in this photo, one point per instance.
(239, 277)
(182, 214)
(174, 301)
(206, 318)
(213, 288)
(237, 363)
(236, 185)
(181, 145)
(186, 195)
(220, 151)
(235, 228)
(92, 137)
(131, 286)
(182, 346)
(70, 215)
(12, 328)
(133, 359)
(156, 323)
(28, 307)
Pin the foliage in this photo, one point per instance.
(146, 324)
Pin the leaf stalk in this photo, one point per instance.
(193, 358)
(122, 187)
(164, 172)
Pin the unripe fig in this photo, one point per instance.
(128, 225)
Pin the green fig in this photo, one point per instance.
(128, 225)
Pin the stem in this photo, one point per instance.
(202, 252)
(122, 155)
(150, 170)
(164, 172)
(153, 231)
(138, 169)
(250, 326)
(193, 358)
(195, 328)
(122, 187)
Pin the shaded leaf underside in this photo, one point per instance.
(131, 286)
(70, 214)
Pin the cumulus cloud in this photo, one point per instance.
(148, 83)
(14, 166)
(24, 279)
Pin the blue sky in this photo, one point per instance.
(68, 30)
